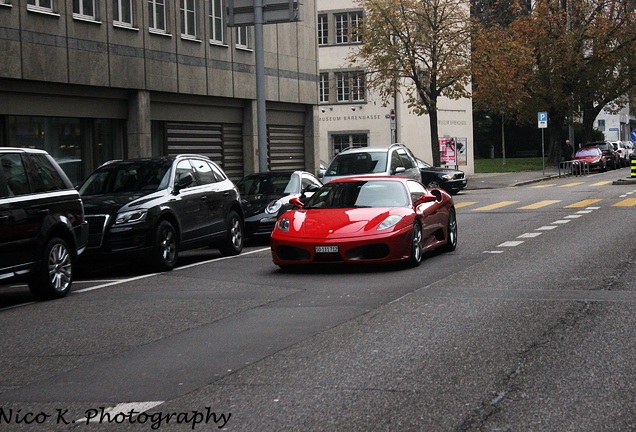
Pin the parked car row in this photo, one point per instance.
(150, 209)
(603, 155)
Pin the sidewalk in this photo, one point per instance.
(501, 180)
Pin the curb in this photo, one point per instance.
(631, 180)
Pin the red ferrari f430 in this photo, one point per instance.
(365, 220)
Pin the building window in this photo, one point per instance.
(324, 87)
(123, 12)
(216, 22)
(43, 5)
(243, 34)
(323, 29)
(84, 9)
(342, 142)
(351, 86)
(188, 19)
(40, 5)
(346, 27)
(157, 15)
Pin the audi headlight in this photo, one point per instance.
(273, 207)
(283, 224)
(389, 222)
(131, 217)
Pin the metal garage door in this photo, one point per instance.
(286, 147)
(221, 143)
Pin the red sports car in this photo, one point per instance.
(365, 220)
(593, 156)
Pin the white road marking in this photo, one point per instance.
(562, 221)
(546, 228)
(530, 235)
(574, 216)
(511, 243)
(122, 408)
(493, 252)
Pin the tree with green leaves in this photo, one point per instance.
(420, 49)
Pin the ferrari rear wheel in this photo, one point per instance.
(451, 232)
(416, 246)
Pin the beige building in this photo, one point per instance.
(350, 115)
(95, 80)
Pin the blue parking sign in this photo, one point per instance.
(542, 117)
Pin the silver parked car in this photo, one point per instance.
(393, 160)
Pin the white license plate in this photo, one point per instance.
(326, 249)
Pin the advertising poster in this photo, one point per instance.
(453, 151)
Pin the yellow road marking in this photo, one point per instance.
(496, 205)
(603, 183)
(583, 203)
(539, 204)
(626, 203)
(465, 204)
(571, 184)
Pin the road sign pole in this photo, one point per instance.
(261, 111)
(542, 151)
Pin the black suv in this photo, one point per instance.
(156, 207)
(42, 227)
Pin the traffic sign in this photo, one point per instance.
(543, 120)
(633, 135)
(392, 116)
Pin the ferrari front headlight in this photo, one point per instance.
(389, 222)
(283, 224)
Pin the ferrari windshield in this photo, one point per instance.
(134, 176)
(356, 194)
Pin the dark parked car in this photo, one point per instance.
(264, 195)
(451, 180)
(156, 207)
(42, 227)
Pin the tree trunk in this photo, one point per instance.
(589, 115)
(555, 130)
(432, 116)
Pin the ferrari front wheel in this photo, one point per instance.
(416, 246)
(451, 232)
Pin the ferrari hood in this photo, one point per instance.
(334, 223)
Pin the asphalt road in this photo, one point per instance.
(529, 325)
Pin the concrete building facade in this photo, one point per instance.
(95, 80)
(351, 115)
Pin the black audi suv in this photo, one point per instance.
(153, 208)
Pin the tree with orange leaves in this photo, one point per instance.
(572, 58)
(418, 48)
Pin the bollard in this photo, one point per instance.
(634, 168)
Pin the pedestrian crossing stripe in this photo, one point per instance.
(628, 202)
(571, 184)
(465, 204)
(583, 203)
(539, 204)
(496, 205)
